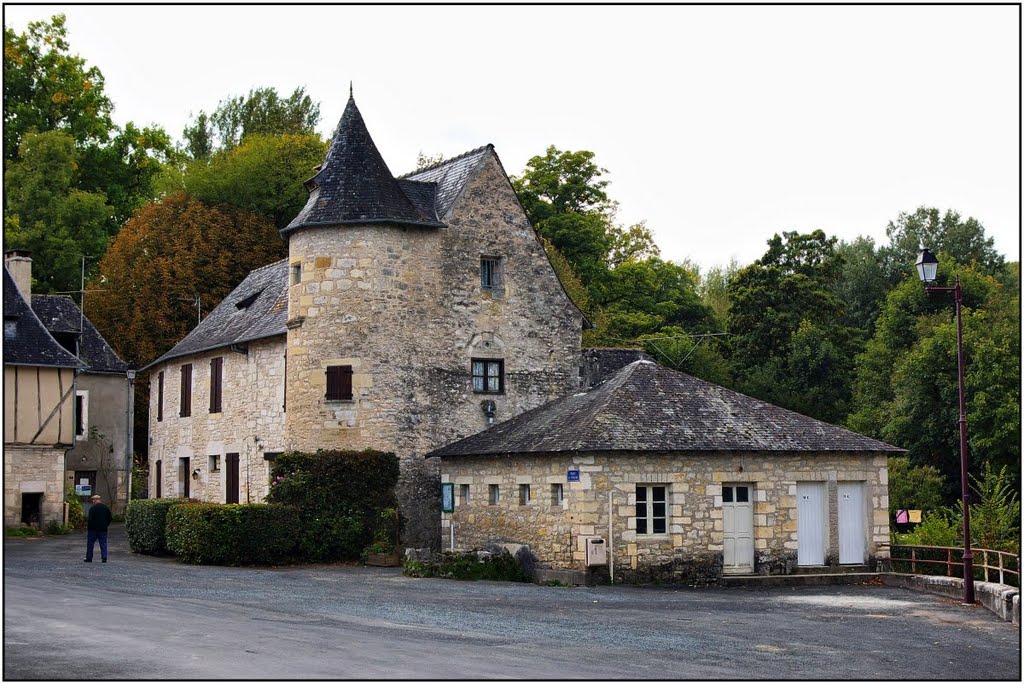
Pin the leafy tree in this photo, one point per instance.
(47, 215)
(264, 175)
(910, 486)
(786, 342)
(862, 284)
(425, 161)
(631, 244)
(906, 389)
(261, 112)
(564, 198)
(46, 88)
(713, 288)
(166, 254)
(963, 240)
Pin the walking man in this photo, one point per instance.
(99, 520)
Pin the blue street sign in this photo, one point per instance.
(573, 475)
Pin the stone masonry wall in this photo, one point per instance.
(105, 449)
(692, 547)
(32, 469)
(404, 307)
(251, 422)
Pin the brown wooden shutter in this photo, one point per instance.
(186, 391)
(216, 373)
(160, 398)
(346, 382)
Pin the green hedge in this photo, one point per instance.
(339, 496)
(232, 534)
(144, 523)
(502, 567)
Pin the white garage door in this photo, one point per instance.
(810, 523)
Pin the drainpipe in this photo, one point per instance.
(130, 430)
(611, 545)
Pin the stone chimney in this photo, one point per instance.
(19, 265)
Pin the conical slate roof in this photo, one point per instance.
(354, 184)
(647, 407)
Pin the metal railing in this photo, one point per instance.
(948, 560)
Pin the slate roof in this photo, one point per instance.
(450, 176)
(647, 407)
(31, 344)
(354, 184)
(234, 322)
(60, 314)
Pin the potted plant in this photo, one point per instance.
(383, 552)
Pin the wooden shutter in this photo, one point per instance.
(339, 383)
(186, 391)
(231, 479)
(216, 373)
(160, 398)
(159, 473)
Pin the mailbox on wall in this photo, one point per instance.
(597, 552)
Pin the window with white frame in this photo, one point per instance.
(651, 509)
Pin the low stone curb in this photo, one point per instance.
(1001, 599)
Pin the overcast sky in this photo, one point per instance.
(718, 125)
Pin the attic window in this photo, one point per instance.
(247, 302)
(10, 328)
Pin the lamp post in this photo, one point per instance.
(927, 266)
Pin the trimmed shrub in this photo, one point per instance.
(339, 496)
(473, 565)
(231, 534)
(144, 523)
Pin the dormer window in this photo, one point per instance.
(243, 304)
(10, 328)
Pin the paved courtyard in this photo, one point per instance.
(147, 618)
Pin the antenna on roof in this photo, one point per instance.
(350, 90)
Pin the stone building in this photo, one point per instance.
(410, 312)
(681, 478)
(39, 406)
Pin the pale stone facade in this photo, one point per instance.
(693, 543)
(33, 470)
(250, 423)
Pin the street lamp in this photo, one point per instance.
(927, 266)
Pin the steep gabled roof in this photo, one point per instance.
(29, 344)
(60, 314)
(355, 186)
(450, 176)
(647, 407)
(256, 309)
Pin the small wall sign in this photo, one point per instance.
(572, 475)
(83, 489)
(447, 497)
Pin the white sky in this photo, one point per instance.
(718, 125)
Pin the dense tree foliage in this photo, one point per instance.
(263, 174)
(47, 89)
(71, 177)
(261, 112)
(169, 252)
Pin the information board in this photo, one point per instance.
(447, 497)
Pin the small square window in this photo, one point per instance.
(295, 273)
(524, 494)
(488, 376)
(214, 463)
(490, 273)
(727, 494)
(493, 495)
(742, 494)
(464, 495)
(557, 494)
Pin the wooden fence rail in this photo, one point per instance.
(919, 555)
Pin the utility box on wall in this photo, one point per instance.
(597, 552)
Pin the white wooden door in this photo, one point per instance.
(738, 525)
(810, 523)
(851, 523)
